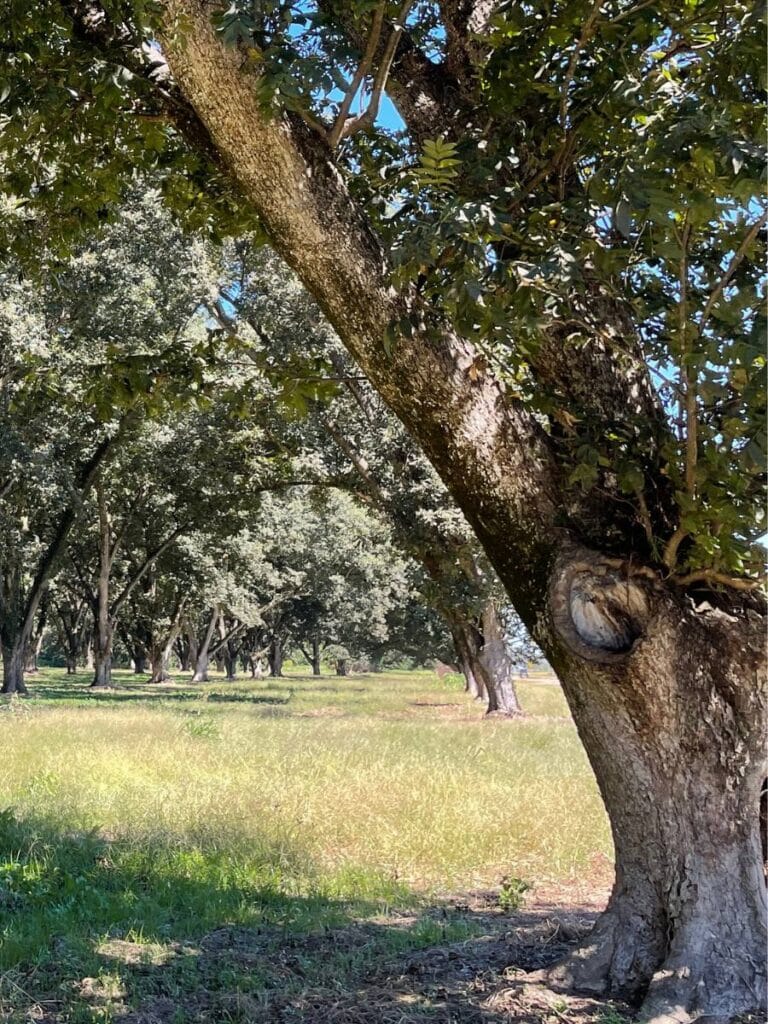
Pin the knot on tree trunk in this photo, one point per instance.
(598, 608)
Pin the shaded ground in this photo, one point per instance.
(347, 975)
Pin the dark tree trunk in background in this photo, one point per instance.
(342, 666)
(71, 664)
(464, 646)
(13, 669)
(315, 660)
(230, 663)
(103, 622)
(139, 658)
(276, 656)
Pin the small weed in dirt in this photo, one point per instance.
(512, 893)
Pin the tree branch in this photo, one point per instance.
(731, 269)
(380, 81)
(139, 574)
(337, 132)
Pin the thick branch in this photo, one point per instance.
(484, 445)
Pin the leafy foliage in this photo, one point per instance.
(610, 157)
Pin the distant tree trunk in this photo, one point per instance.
(466, 656)
(200, 674)
(230, 664)
(139, 658)
(315, 660)
(341, 666)
(158, 663)
(276, 656)
(161, 650)
(102, 655)
(485, 662)
(13, 668)
(18, 611)
(495, 666)
(104, 625)
(89, 659)
(187, 648)
(12, 629)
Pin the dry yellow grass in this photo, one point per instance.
(156, 814)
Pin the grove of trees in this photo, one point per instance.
(545, 263)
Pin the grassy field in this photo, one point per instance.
(148, 832)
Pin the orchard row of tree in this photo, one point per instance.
(549, 266)
(193, 469)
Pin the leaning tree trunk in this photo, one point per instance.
(200, 675)
(669, 700)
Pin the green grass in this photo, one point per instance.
(153, 816)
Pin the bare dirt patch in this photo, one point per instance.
(351, 975)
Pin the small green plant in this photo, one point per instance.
(203, 727)
(512, 893)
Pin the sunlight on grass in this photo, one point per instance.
(299, 803)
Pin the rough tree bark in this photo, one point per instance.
(485, 660)
(668, 694)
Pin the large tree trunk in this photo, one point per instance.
(669, 701)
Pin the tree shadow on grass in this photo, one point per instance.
(162, 933)
(150, 693)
